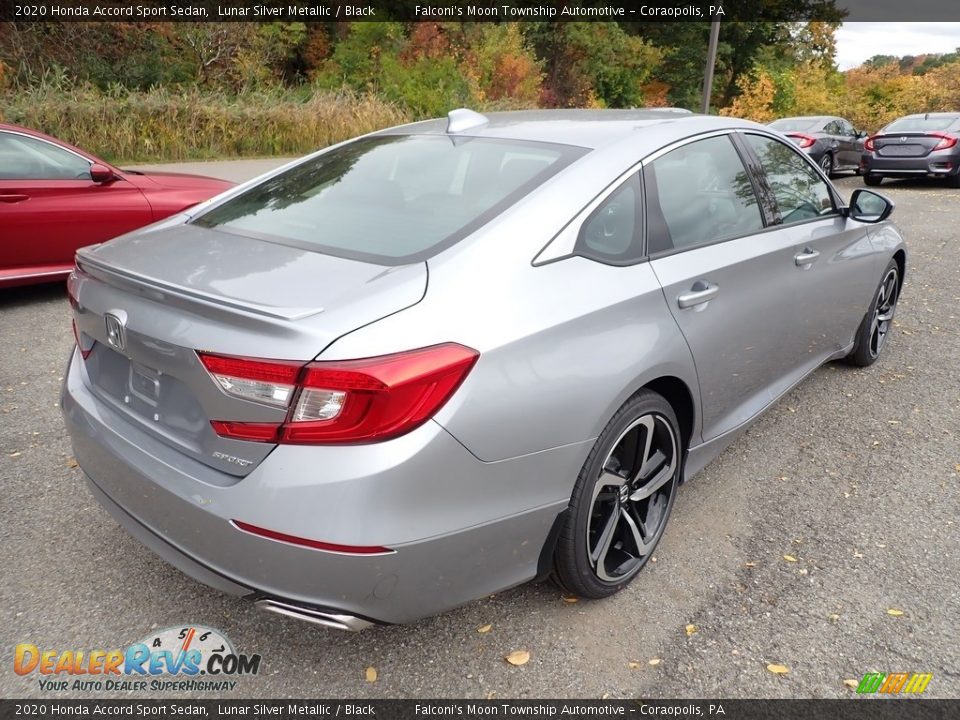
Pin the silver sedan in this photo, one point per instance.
(443, 359)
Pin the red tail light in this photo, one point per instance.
(76, 336)
(346, 401)
(802, 140)
(315, 544)
(868, 144)
(946, 141)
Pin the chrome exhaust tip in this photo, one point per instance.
(310, 615)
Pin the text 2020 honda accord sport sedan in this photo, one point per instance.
(446, 358)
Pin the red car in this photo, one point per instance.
(55, 198)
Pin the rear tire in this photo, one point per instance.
(873, 180)
(875, 327)
(953, 181)
(826, 164)
(622, 499)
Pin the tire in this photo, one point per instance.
(826, 164)
(953, 181)
(875, 327)
(873, 180)
(620, 503)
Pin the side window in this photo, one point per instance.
(846, 129)
(612, 232)
(698, 194)
(24, 158)
(833, 128)
(800, 192)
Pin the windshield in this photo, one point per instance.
(922, 123)
(391, 199)
(795, 124)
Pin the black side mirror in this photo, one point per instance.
(869, 207)
(101, 174)
(860, 134)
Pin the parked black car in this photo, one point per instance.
(915, 146)
(832, 142)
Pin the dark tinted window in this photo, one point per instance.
(800, 192)
(612, 232)
(26, 158)
(702, 193)
(391, 199)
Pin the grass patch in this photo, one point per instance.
(192, 124)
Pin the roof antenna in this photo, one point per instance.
(463, 119)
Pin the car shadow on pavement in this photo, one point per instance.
(15, 297)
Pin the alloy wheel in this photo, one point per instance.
(885, 307)
(631, 498)
(826, 164)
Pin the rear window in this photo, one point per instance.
(795, 124)
(922, 124)
(391, 199)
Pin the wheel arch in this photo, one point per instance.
(900, 257)
(676, 392)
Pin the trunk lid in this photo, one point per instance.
(176, 290)
(908, 144)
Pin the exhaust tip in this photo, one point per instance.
(337, 621)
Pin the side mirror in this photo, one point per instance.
(869, 207)
(861, 134)
(101, 174)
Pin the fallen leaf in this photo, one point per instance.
(371, 674)
(518, 657)
(690, 629)
(653, 661)
(72, 463)
(484, 628)
(834, 617)
(778, 669)
(789, 558)
(749, 564)
(633, 665)
(605, 696)
(957, 467)
(894, 612)
(851, 683)
(16, 454)
(570, 599)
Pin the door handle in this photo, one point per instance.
(13, 198)
(701, 292)
(805, 257)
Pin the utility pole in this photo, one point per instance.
(711, 61)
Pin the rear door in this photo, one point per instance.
(834, 264)
(729, 280)
(49, 206)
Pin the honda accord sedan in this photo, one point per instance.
(925, 145)
(443, 359)
(55, 198)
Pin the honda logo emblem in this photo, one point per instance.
(116, 336)
(903, 138)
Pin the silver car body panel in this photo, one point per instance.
(466, 501)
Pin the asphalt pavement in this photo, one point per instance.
(826, 540)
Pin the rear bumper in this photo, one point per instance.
(424, 496)
(935, 164)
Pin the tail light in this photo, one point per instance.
(84, 353)
(346, 401)
(868, 144)
(803, 141)
(946, 141)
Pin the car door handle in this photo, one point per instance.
(700, 293)
(805, 257)
(13, 198)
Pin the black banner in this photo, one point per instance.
(852, 709)
(477, 11)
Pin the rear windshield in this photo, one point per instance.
(921, 123)
(391, 199)
(795, 124)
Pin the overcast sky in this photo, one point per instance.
(859, 41)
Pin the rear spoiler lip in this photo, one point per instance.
(87, 263)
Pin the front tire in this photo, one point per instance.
(873, 180)
(872, 334)
(622, 499)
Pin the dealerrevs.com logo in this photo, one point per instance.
(192, 658)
